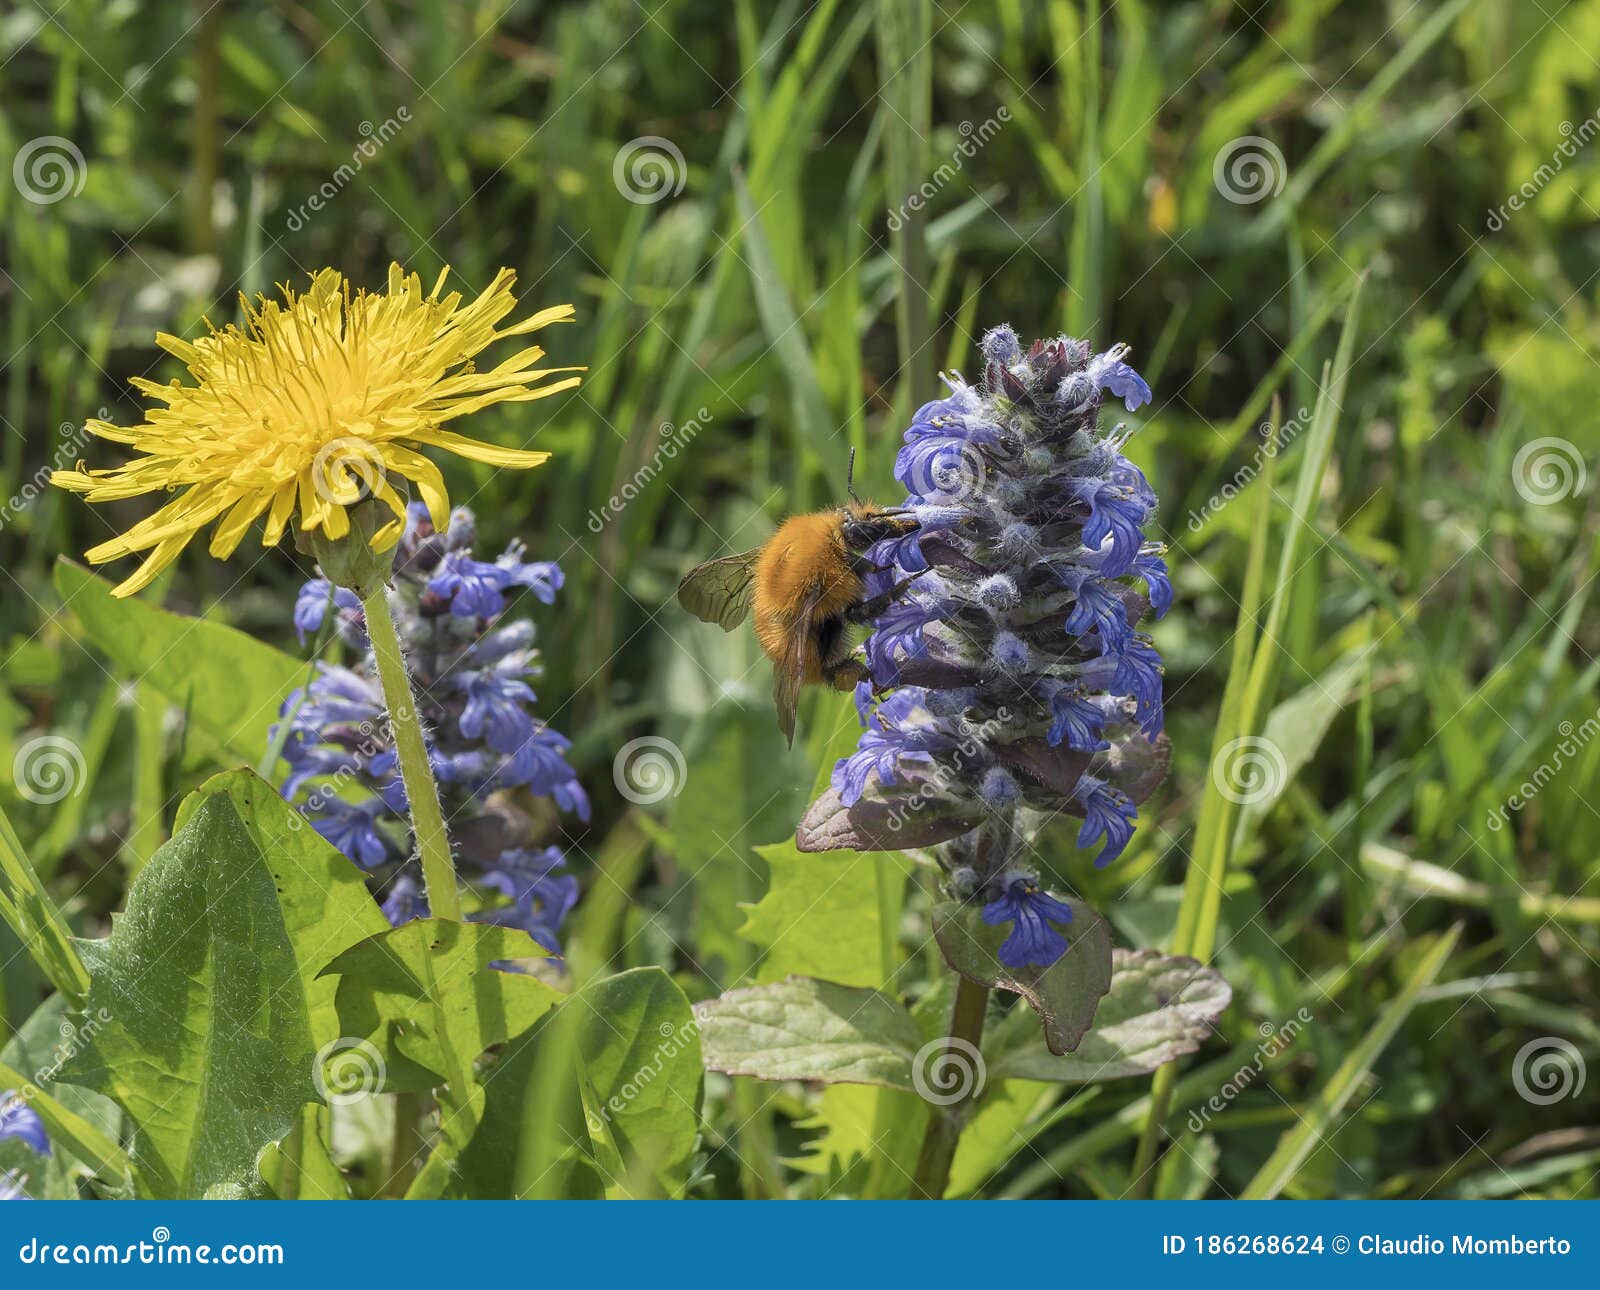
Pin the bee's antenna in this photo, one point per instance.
(850, 478)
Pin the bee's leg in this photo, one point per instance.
(861, 566)
(866, 610)
(845, 674)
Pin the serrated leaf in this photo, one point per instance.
(1065, 994)
(227, 683)
(805, 1029)
(384, 996)
(1159, 1007)
(208, 1046)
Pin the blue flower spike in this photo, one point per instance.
(1009, 680)
(474, 668)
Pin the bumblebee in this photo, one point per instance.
(805, 587)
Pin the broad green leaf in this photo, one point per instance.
(640, 1049)
(1065, 994)
(322, 898)
(805, 1029)
(1159, 1007)
(385, 997)
(1316, 1120)
(603, 1097)
(994, 1133)
(228, 684)
(208, 1047)
(833, 916)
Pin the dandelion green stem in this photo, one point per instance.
(427, 820)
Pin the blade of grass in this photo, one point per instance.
(1297, 1144)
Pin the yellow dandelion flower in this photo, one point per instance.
(312, 406)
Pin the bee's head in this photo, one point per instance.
(863, 525)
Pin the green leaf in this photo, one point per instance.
(1313, 1123)
(600, 1098)
(322, 898)
(384, 996)
(1065, 994)
(84, 1126)
(833, 915)
(1159, 1007)
(228, 684)
(642, 1073)
(208, 1047)
(26, 905)
(806, 1029)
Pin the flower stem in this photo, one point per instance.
(945, 1123)
(427, 820)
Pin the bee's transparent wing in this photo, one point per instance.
(789, 675)
(719, 591)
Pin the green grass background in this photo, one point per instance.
(1428, 648)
